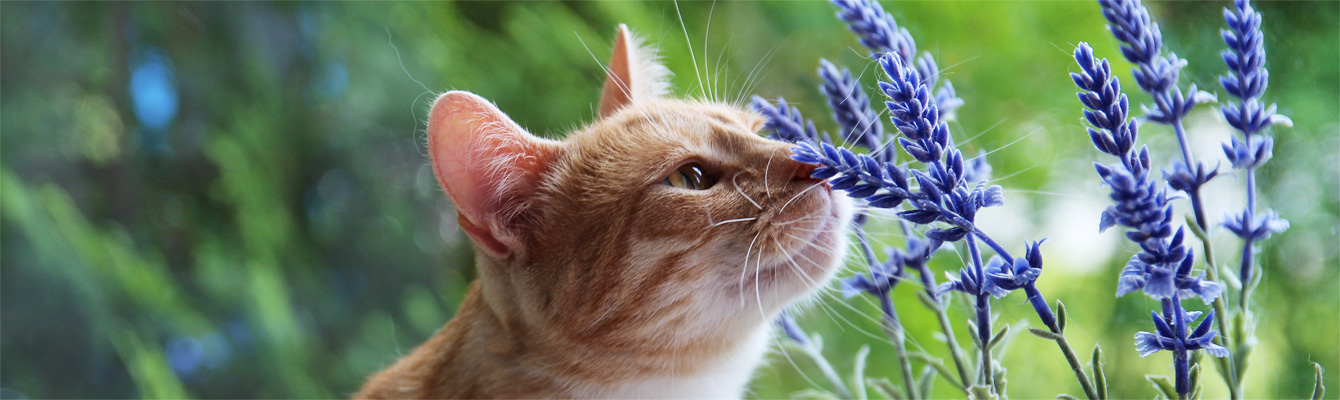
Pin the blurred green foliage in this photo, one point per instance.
(231, 199)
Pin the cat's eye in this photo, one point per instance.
(691, 176)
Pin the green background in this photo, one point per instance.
(231, 199)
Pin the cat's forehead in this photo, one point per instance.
(669, 123)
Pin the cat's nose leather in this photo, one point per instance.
(802, 172)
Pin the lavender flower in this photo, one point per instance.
(1157, 75)
(1162, 269)
(1171, 337)
(941, 196)
(851, 110)
(878, 31)
(880, 280)
(792, 330)
(1160, 283)
(786, 123)
(1247, 80)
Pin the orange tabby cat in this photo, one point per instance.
(643, 256)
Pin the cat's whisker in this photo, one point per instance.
(716, 77)
(801, 219)
(767, 191)
(707, 31)
(736, 183)
(783, 349)
(863, 314)
(797, 196)
(1049, 193)
(623, 87)
(800, 272)
(758, 293)
(749, 82)
(716, 224)
(995, 180)
(1021, 138)
(688, 41)
(988, 129)
(745, 270)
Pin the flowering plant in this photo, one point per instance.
(938, 197)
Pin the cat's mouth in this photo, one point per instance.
(817, 253)
(816, 248)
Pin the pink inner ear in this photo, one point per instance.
(485, 162)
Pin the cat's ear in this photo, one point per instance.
(487, 164)
(634, 74)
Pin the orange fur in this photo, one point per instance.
(596, 279)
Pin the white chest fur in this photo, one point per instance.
(724, 378)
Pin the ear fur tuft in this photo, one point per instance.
(634, 74)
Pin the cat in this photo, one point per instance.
(644, 256)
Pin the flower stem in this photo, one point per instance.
(983, 309)
(1047, 317)
(1245, 273)
(1175, 316)
(1226, 366)
(960, 364)
(892, 326)
(1196, 206)
(894, 329)
(831, 374)
(1075, 365)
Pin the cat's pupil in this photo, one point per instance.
(690, 176)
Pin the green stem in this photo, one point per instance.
(1074, 362)
(894, 329)
(960, 364)
(828, 371)
(1226, 366)
(983, 310)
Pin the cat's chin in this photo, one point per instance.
(803, 270)
(821, 256)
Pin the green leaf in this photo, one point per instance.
(997, 338)
(148, 367)
(1045, 334)
(791, 347)
(1099, 377)
(1060, 315)
(972, 333)
(1163, 386)
(1195, 372)
(1195, 229)
(858, 372)
(940, 368)
(1065, 397)
(814, 394)
(1317, 388)
(998, 378)
(928, 301)
(885, 388)
(926, 382)
(1231, 277)
(981, 392)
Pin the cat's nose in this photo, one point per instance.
(802, 172)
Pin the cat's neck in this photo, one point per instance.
(487, 350)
